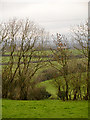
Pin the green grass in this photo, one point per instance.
(47, 52)
(52, 88)
(76, 51)
(43, 52)
(44, 109)
(7, 59)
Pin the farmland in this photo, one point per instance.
(44, 56)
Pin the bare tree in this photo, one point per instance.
(20, 37)
(61, 55)
(80, 38)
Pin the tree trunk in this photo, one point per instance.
(75, 95)
(88, 75)
(66, 90)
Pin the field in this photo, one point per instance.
(45, 55)
(47, 108)
(50, 85)
(44, 109)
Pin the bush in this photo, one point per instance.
(38, 94)
(22, 88)
(48, 74)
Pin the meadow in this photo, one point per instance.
(44, 109)
(48, 108)
(44, 55)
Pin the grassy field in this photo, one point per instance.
(51, 87)
(7, 59)
(44, 109)
(49, 52)
(38, 53)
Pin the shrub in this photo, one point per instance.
(22, 88)
(38, 94)
(48, 74)
(62, 95)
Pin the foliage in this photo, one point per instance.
(22, 87)
(48, 74)
(38, 93)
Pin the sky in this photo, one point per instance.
(54, 15)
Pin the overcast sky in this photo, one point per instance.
(54, 15)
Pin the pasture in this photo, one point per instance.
(44, 109)
(51, 107)
(44, 55)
